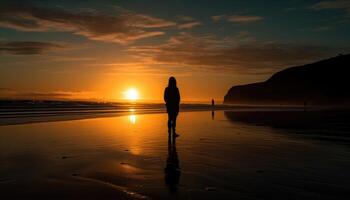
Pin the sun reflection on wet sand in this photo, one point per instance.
(132, 119)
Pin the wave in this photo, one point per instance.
(29, 111)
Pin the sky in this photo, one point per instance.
(97, 50)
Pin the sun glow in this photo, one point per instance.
(131, 94)
(132, 119)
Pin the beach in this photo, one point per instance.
(219, 155)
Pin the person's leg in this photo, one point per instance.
(174, 121)
(169, 122)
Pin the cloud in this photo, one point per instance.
(244, 18)
(6, 89)
(336, 4)
(188, 22)
(27, 47)
(123, 27)
(185, 18)
(189, 25)
(218, 17)
(238, 18)
(15, 94)
(209, 53)
(46, 95)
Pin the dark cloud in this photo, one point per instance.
(43, 95)
(211, 54)
(26, 47)
(6, 89)
(123, 27)
(335, 4)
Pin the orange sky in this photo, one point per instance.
(95, 50)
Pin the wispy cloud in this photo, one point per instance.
(244, 18)
(209, 53)
(335, 4)
(218, 17)
(237, 18)
(189, 25)
(187, 22)
(27, 47)
(185, 18)
(123, 27)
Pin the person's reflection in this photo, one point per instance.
(212, 114)
(172, 169)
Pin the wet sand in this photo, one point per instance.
(221, 155)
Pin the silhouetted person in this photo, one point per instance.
(172, 101)
(172, 170)
(212, 103)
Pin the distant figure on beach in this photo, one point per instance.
(172, 101)
(305, 105)
(212, 109)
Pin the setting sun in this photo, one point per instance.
(131, 94)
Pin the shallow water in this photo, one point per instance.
(130, 157)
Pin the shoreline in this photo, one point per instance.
(39, 116)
